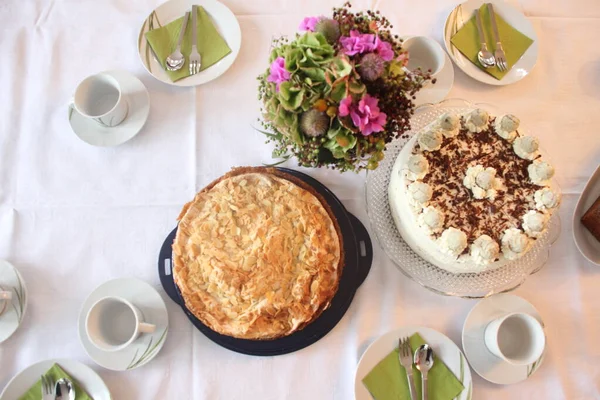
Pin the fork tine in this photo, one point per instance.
(43, 384)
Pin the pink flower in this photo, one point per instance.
(357, 43)
(367, 116)
(278, 72)
(344, 108)
(384, 49)
(309, 23)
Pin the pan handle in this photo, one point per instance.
(364, 247)
(165, 271)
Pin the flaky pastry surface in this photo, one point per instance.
(257, 254)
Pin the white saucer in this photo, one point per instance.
(13, 314)
(139, 106)
(463, 12)
(145, 347)
(490, 367)
(438, 91)
(443, 347)
(225, 22)
(584, 240)
(84, 375)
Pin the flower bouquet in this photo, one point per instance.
(337, 93)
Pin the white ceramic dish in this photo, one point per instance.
(84, 375)
(584, 240)
(487, 365)
(139, 107)
(463, 12)
(13, 314)
(444, 348)
(438, 91)
(145, 347)
(225, 22)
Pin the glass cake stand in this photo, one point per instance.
(468, 285)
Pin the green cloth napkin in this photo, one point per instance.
(514, 43)
(211, 46)
(387, 381)
(55, 372)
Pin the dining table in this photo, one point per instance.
(73, 216)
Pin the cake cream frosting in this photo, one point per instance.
(470, 192)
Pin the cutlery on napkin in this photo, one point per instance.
(515, 43)
(55, 372)
(387, 380)
(211, 45)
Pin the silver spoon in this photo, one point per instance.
(485, 57)
(64, 390)
(176, 59)
(424, 361)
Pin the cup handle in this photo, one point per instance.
(71, 106)
(5, 295)
(146, 328)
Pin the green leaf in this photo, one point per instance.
(356, 87)
(316, 74)
(341, 67)
(290, 96)
(395, 68)
(338, 91)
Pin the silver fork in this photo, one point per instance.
(499, 54)
(406, 359)
(195, 59)
(47, 388)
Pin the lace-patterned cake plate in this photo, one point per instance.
(468, 285)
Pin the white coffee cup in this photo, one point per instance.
(5, 297)
(100, 98)
(425, 53)
(517, 338)
(113, 323)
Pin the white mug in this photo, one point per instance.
(5, 296)
(113, 323)
(425, 53)
(517, 338)
(100, 98)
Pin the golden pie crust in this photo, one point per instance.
(258, 254)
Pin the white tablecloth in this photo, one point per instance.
(73, 216)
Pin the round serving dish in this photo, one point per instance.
(469, 285)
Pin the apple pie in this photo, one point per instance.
(258, 254)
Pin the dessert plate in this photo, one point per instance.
(487, 365)
(444, 348)
(463, 12)
(584, 240)
(145, 347)
(358, 256)
(13, 310)
(86, 377)
(469, 285)
(438, 91)
(139, 107)
(225, 22)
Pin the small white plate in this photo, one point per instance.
(439, 90)
(444, 348)
(225, 22)
(14, 311)
(84, 375)
(587, 244)
(139, 107)
(465, 11)
(487, 365)
(145, 347)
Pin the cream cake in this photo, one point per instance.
(470, 193)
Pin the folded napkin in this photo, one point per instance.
(387, 381)
(514, 43)
(55, 372)
(211, 46)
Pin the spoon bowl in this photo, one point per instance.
(64, 390)
(424, 361)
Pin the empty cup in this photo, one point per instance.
(113, 323)
(517, 338)
(99, 97)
